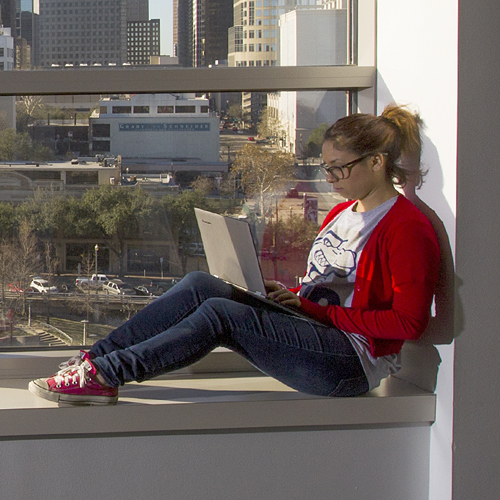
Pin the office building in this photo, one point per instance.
(201, 31)
(314, 37)
(137, 10)
(143, 41)
(162, 126)
(27, 34)
(6, 49)
(183, 32)
(74, 34)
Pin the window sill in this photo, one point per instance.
(201, 402)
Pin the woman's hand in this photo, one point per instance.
(272, 286)
(285, 297)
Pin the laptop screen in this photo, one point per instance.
(230, 250)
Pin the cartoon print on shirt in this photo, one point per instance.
(330, 258)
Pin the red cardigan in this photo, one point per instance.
(395, 280)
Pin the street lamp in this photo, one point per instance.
(96, 248)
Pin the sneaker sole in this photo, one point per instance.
(71, 399)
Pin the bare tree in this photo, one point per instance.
(263, 174)
(26, 259)
(84, 302)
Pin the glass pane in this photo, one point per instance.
(88, 196)
(194, 33)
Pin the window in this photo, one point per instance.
(194, 126)
(101, 130)
(122, 109)
(185, 109)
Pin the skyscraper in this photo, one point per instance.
(183, 32)
(200, 31)
(143, 40)
(137, 10)
(74, 33)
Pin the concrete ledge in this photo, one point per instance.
(209, 403)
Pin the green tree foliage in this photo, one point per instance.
(7, 220)
(263, 174)
(235, 111)
(315, 140)
(118, 214)
(181, 220)
(19, 147)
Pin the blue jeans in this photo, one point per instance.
(203, 312)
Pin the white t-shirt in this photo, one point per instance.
(332, 264)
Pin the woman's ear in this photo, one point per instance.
(378, 160)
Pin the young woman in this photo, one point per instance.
(370, 281)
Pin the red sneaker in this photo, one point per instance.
(75, 385)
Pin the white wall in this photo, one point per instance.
(356, 464)
(417, 65)
(164, 144)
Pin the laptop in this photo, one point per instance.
(232, 257)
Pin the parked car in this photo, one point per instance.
(42, 285)
(95, 281)
(117, 287)
(147, 290)
(163, 285)
(17, 288)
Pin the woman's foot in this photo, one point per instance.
(76, 384)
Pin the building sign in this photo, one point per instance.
(164, 127)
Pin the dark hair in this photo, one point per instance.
(395, 132)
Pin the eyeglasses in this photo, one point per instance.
(342, 171)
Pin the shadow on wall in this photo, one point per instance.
(421, 358)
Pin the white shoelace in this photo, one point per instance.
(72, 375)
(74, 361)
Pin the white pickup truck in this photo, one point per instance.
(95, 281)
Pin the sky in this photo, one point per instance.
(162, 9)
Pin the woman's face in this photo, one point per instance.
(361, 178)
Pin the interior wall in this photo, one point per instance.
(344, 464)
(417, 66)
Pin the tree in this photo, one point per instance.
(235, 111)
(18, 146)
(270, 126)
(26, 259)
(29, 108)
(206, 185)
(315, 140)
(118, 214)
(263, 174)
(181, 219)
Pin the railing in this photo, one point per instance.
(59, 332)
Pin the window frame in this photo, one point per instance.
(151, 80)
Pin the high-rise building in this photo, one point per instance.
(211, 22)
(137, 10)
(6, 49)
(27, 33)
(74, 33)
(143, 41)
(8, 14)
(183, 32)
(201, 31)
